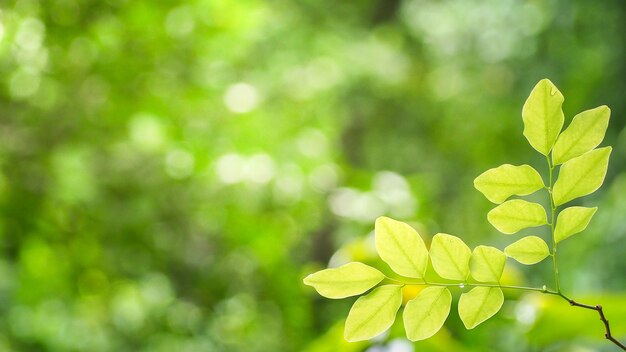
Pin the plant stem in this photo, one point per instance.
(597, 308)
(552, 224)
(603, 319)
(428, 283)
(558, 292)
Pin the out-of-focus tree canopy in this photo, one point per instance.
(170, 171)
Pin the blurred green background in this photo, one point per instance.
(170, 171)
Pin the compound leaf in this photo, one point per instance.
(373, 313)
(400, 246)
(487, 264)
(571, 221)
(584, 133)
(543, 116)
(425, 314)
(500, 183)
(479, 304)
(450, 257)
(581, 175)
(517, 214)
(347, 280)
(528, 250)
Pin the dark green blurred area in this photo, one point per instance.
(169, 172)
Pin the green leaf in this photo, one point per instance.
(479, 304)
(517, 214)
(450, 256)
(543, 116)
(571, 221)
(581, 175)
(347, 280)
(373, 313)
(487, 264)
(584, 133)
(425, 314)
(400, 246)
(528, 250)
(500, 183)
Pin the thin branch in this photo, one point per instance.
(463, 284)
(603, 319)
(552, 223)
(597, 308)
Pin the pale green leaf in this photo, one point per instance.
(487, 264)
(517, 214)
(425, 314)
(571, 221)
(373, 313)
(581, 175)
(347, 280)
(450, 256)
(543, 116)
(584, 133)
(500, 183)
(479, 304)
(400, 246)
(528, 250)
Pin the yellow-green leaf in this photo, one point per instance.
(517, 214)
(500, 183)
(347, 280)
(450, 256)
(373, 313)
(584, 133)
(571, 221)
(425, 314)
(543, 116)
(400, 246)
(487, 264)
(479, 304)
(581, 175)
(528, 250)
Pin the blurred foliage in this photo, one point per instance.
(169, 171)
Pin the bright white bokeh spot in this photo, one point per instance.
(180, 22)
(356, 205)
(260, 168)
(156, 290)
(24, 83)
(380, 59)
(303, 82)
(241, 98)
(390, 186)
(324, 178)
(342, 200)
(146, 131)
(30, 34)
(525, 312)
(312, 143)
(395, 192)
(289, 184)
(400, 345)
(230, 168)
(127, 308)
(179, 164)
